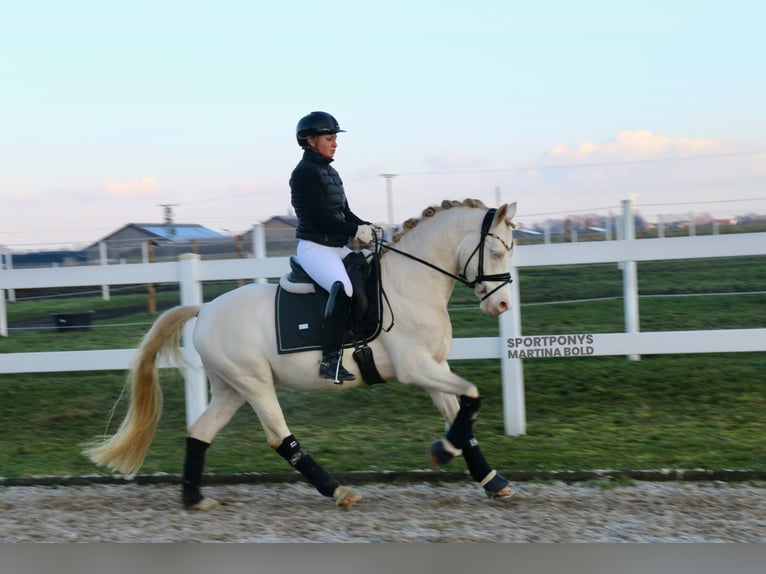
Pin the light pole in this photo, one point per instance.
(389, 196)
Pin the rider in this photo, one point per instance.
(325, 226)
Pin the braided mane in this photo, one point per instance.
(433, 210)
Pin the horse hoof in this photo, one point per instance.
(503, 495)
(204, 504)
(439, 454)
(345, 497)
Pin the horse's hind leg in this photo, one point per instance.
(224, 403)
(327, 485)
(265, 403)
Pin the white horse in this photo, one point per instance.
(236, 340)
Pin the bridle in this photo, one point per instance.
(503, 278)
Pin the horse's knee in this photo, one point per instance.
(459, 434)
(471, 405)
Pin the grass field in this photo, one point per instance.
(670, 411)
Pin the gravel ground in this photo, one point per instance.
(422, 512)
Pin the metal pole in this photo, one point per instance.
(104, 260)
(259, 246)
(389, 196)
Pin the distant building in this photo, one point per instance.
(132, 242)
(48, 258)
(129, 241)
(280, 227)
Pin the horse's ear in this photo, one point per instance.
(506, 211)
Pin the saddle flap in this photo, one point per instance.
(299, 316)
(297, 280)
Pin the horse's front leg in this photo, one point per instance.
(460, 440)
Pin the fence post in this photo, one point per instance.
(151, 290)
(194, 375)
(9, 266)
(259, 246)
(104, 257)
(3, 316)
(514, 407)
(238, 252)
(630, 275)
(5, 263)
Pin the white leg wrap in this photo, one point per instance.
(489, 477)
(450, 448)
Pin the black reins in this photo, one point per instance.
(503, 278)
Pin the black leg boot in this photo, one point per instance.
(333, 329)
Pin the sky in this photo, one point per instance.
(111, 110)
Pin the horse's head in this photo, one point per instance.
(484, 260)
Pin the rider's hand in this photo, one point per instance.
(364, 234)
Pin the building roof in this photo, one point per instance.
(290, 220)
(179, 232)
(175, 233)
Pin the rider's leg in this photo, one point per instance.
(333, 330)
(325, 266)
(358, 271)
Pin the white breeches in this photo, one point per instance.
(324, 264)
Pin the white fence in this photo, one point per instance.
(511, 347)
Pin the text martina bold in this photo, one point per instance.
(550, 346)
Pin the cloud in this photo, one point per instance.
(16, 196)
(633, 145)
(639, 158)
(141, 187)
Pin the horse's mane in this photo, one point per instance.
(433, 210)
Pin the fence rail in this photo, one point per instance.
(511, 347)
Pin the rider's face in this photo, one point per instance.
(324, 145)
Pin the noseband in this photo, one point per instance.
(503, 278)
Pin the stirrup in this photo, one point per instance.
(331, 368)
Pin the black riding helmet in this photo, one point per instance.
(316, 124)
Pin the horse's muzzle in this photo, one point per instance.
(496, 305)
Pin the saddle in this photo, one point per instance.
(300, 304)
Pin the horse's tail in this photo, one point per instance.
(125, 450)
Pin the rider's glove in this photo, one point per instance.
(364, 234)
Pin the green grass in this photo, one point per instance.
(670, 411)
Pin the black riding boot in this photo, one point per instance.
(333, 329)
